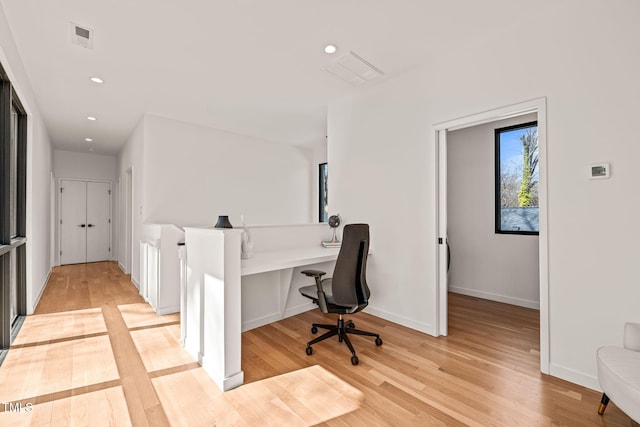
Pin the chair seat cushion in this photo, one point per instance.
(619, 377)
(312, 291)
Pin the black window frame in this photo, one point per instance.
(498, 173)
(323, 192)
(17, 243)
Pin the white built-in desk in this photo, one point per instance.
(226, 295)
(263, 262)
(269, 286)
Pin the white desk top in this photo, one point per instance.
(288, 258)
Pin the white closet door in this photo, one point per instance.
(98, 221)
(73, 226)
(85, 228)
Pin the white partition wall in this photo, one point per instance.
(160, 267)
(226, 294)
(213, 303)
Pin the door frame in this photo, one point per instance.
(440, 133)
(129, 213)
(59, 214)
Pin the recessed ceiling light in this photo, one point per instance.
(88, 139)
(93, 119)
(330, 48)
(97, 80)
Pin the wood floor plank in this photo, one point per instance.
(96, 354)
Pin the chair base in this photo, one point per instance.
(342, 329)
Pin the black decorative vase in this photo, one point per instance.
(223, 222)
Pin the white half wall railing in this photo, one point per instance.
(228, 293)
(160, 277)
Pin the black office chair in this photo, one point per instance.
(346, 292)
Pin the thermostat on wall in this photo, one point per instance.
(599, 171)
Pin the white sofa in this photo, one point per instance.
(619, 373)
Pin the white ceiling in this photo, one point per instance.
(253, 67)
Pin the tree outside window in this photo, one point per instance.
(517, 179)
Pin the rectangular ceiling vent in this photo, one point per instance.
(353, 69)
(81, 36)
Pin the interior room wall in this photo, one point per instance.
(382, 155)
(186, 174)
(194, 173)
(130, 159)
(485, 264)
(39, 167)
(90, 167)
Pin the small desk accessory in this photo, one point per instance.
(246, 244)
(223, 222)
(334, 222)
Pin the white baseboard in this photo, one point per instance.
(274, 317)
(37, 300)
(260, 321)
(168, 310)
(135, 283)
(122, 268)
(193, 348)
(223, 383)
(293, 311)
(495, 297)
(427, 328)
(576, 377)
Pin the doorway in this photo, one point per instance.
(85, 221)
(535, 106)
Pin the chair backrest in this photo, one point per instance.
(349, 281)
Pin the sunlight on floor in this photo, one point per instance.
(304, 397)
(57, 326)
(141, 314)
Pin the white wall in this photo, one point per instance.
(88, 166)
(484, 264)
(381, 151)
(186, 174)
(130, 160)
(84, 166)
(193, 173)
(39, 168)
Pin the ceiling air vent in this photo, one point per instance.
(353, 69)
(81, 36)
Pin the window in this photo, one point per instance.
(13, 165)
(323, 206)
(517, 179)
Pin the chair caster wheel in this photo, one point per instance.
(309, 351)
(314, 330)
(350, 324)
(378, 341)
(354, 360)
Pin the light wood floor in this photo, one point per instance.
(95, 354)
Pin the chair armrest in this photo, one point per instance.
(322, 299)
(632, 336)
(313, 273)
